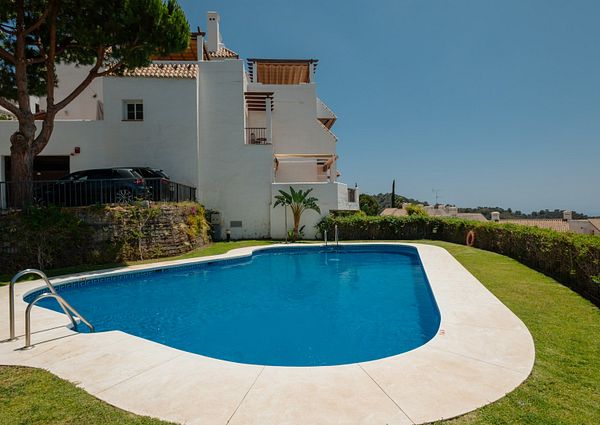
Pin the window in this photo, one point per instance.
(133, 110)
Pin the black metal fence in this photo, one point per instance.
(256, 136)
(71, 193)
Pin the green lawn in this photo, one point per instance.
(564, 387)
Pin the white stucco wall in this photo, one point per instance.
(84, 106)
(166, 138)
(331, 196)
(234, 178)
(66, 136)
(295, 125)
(299, 170)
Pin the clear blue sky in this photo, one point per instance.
(491, 102)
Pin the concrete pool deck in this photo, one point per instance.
(481, 352)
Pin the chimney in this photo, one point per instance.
(200, 45)
(213, 32)
(567, 215)
(495, 216)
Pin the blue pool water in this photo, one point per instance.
(306, 306)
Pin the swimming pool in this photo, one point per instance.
(301, 306)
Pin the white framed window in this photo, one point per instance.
(133, 110)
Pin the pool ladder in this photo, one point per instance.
(66, 307)
(335, 235)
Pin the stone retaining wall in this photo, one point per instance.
(55, 238)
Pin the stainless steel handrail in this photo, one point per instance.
(325, 235)
(62, 302)
(336, 235)
(11, 298)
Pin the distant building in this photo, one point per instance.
(589, 226)
(566, 224)
(551, 223)
(436, 211)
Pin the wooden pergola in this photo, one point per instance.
(281, 71)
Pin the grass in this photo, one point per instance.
(564, 387)
(32, 396)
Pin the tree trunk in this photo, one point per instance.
(296, 226)
(21, 163)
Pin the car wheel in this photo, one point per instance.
(38, 201)
(123, 196)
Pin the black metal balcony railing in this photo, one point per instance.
(71, 193)
(256, 136)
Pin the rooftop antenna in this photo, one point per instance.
(437, 194)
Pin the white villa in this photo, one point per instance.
(237, 130)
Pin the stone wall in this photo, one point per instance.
(55, 238)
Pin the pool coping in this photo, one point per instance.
(481, 352)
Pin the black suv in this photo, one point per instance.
(88, 187)
(159, 183)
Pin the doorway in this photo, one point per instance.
(45, 167)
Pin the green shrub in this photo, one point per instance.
(413, 209)
(572, 259)
(368, 204)
(45, 237)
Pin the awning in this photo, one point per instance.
(324, 160)
(281, 71)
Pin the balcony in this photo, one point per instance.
(325, 115)
(257, 136)
(305, 168)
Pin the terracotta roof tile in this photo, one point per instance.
(164, 70)
(223, 52)
(159, 69)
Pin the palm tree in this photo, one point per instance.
(298, 201)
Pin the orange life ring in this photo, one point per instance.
(470, 238)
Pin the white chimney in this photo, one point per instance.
(495, 216)
(567, 215)
(200, 45)
(213, 33)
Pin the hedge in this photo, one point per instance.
(570, 258)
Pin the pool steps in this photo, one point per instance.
(66, 307)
